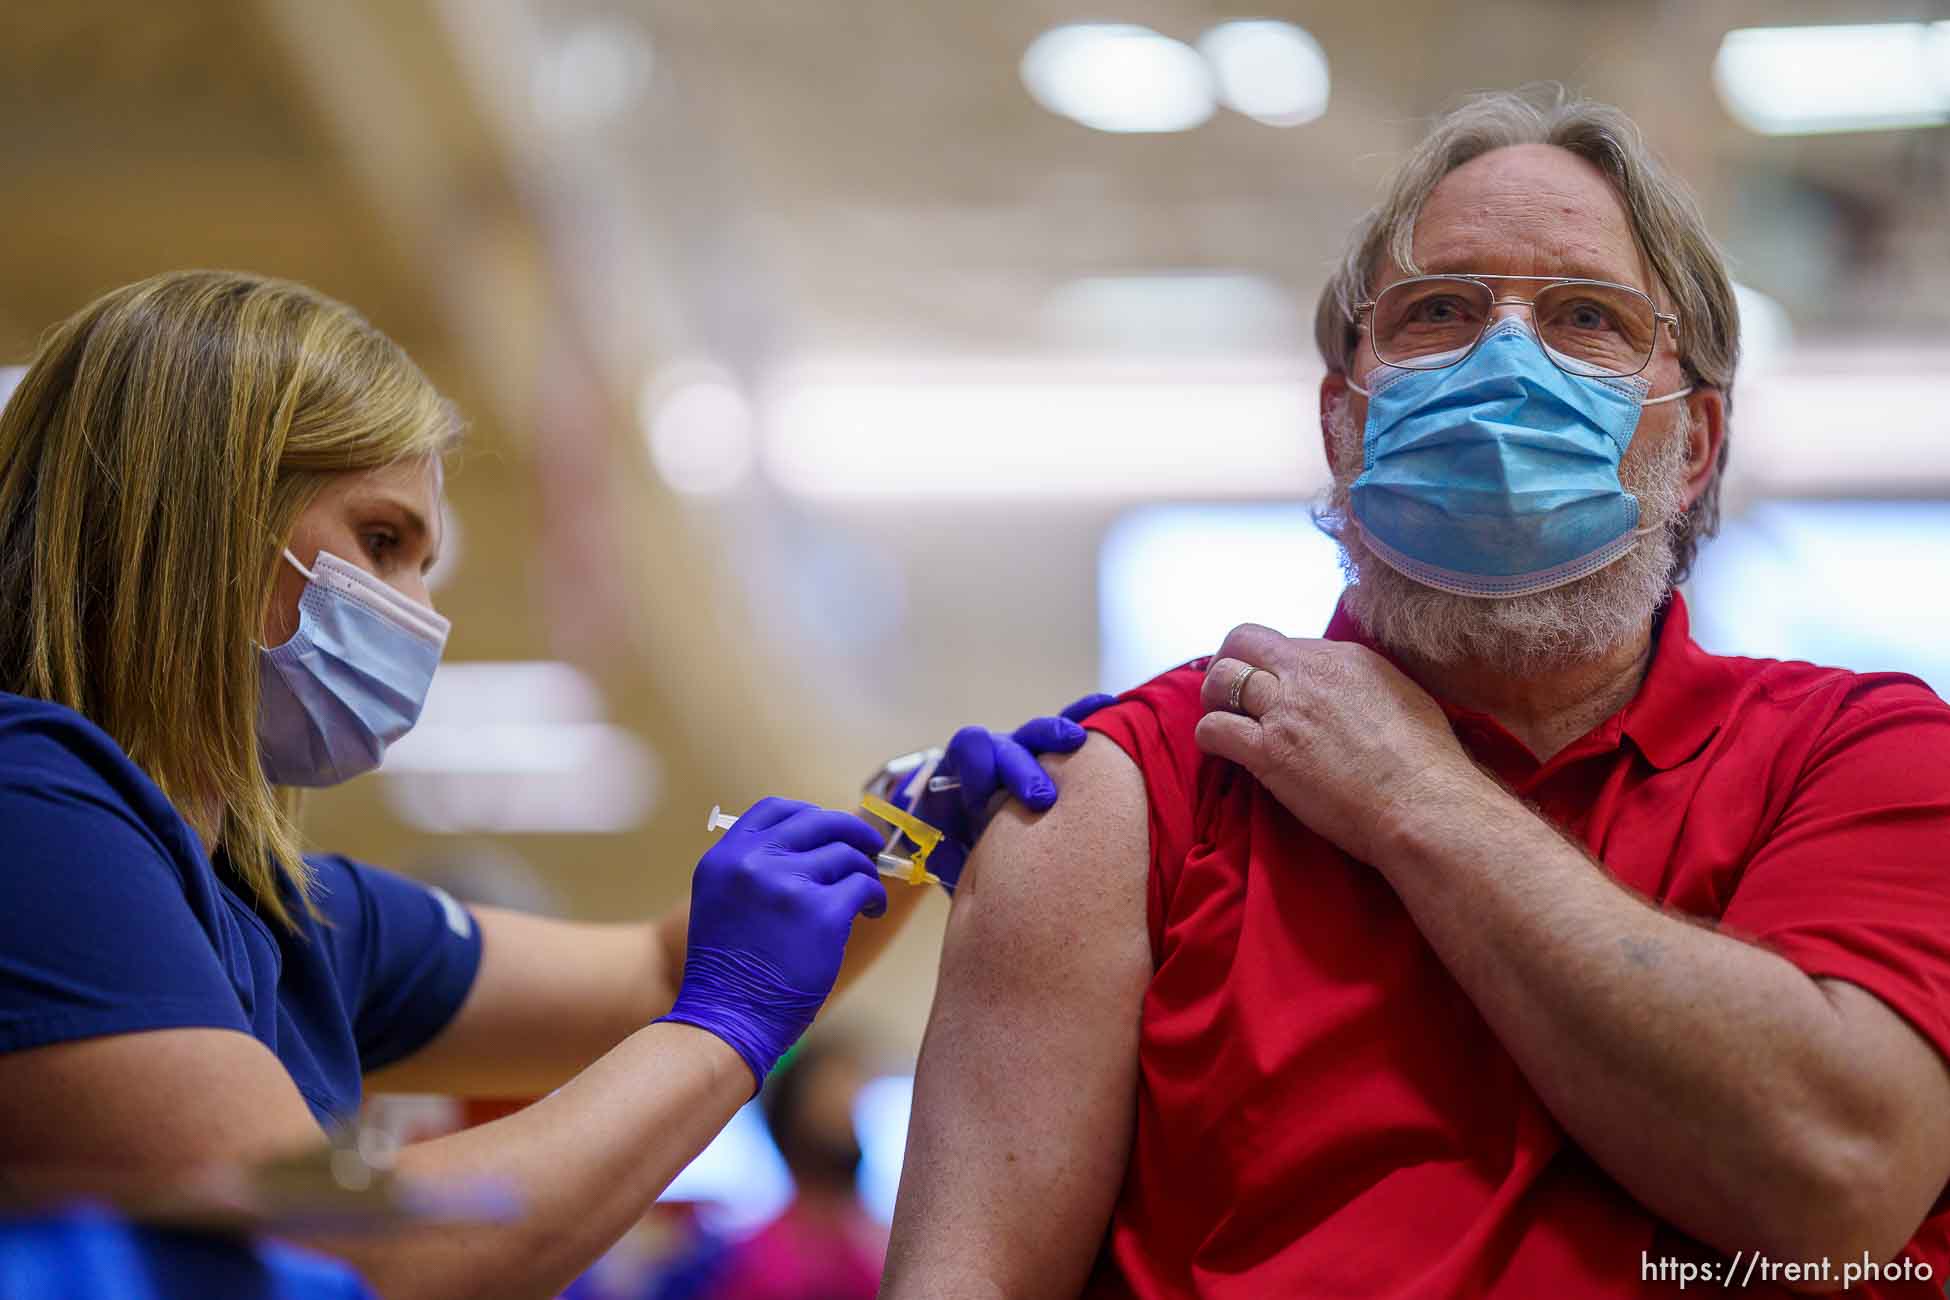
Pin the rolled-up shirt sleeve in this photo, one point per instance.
(406, 956)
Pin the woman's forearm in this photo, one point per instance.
(584, 1162)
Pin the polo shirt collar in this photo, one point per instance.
(1680, 703)
(1669, 720)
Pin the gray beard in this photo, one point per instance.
(1579, 622)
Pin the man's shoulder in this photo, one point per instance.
(1819, 712)
(1795, 685)
(1164, 710)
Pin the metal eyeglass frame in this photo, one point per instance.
(1362, 311)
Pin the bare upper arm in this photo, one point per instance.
(131, 1108)
(550, 997)
(1025, 1092)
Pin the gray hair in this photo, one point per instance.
(1665, 221)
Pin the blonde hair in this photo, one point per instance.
(1665, 221)
(153, 462)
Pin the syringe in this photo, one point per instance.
(887, 864)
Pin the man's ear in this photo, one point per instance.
(1333, 392)
(1706, 433)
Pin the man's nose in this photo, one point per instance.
(1507, 310)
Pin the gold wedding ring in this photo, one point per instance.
(1239, 688)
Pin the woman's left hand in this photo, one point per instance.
(991, 765)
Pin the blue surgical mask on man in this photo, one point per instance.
(1498, 476)
(351, 680)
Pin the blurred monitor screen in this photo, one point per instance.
(1173, 580)
(1853, 584)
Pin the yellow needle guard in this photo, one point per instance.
(923, 836)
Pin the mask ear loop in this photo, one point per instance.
(293, 561)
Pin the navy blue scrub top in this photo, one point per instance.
(113, 921)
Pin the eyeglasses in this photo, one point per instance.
(1588, 327)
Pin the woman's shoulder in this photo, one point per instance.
(39, 734)
(56, 764)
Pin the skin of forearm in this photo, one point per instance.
(1712, 1079)
(585, 1163)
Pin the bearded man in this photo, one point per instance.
(1503, 942)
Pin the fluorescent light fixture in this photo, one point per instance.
(699, 426)
(1801, 429)
(1833, 582)
(595, 71)
(1030, 429)
(1766, 333)
(1273, 72)
(1865, 77)
(519, 747)
(1173, 580)
(1173, 313)
(1118, 77)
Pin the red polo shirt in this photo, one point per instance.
(1321, 1109)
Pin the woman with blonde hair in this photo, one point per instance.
(219, 499)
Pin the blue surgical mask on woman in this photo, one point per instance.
(351, 680)
(1498, 476)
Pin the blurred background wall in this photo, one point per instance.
(843, 372)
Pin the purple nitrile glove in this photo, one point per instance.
(988, 763)
(772, 904)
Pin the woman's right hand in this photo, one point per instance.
(772, 904)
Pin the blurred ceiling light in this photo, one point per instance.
(1118, 77)
(1188, 312)
(595, 71)
(699, 426)
(1273, 72)
(1039, 430)
(10, 377)
(519, 747)
(1817, 415)
(1766, 333)
(1867, 77)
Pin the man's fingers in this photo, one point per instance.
(1229, 736)
(1257, 645)
(1257, 694)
